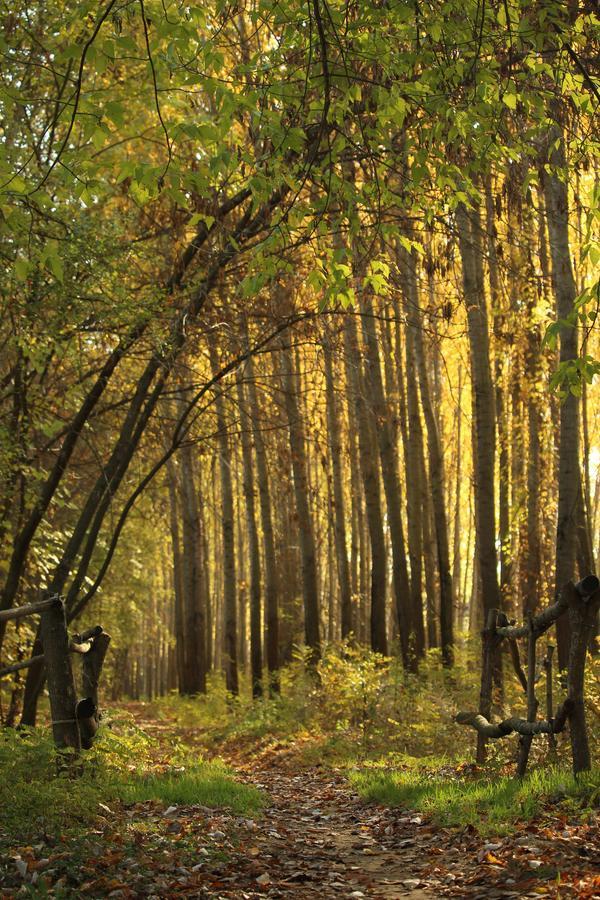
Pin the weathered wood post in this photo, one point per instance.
(532, 704)
(93, 661)
(549, 698)
(489, 643)
(61, 687)
(584, 601)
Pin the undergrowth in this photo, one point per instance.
(395, 734)
(41, 796)
(358, 704)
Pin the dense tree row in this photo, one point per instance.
(286, 288)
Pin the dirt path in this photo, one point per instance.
(317, 839)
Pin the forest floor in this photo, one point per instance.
(314, 837)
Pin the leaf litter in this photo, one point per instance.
(315, 839)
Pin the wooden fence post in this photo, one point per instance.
(61, 686)
(549, 698)
(489, 641)
(92, 666)
(532, 704)
(584, 600)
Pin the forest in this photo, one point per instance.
(299, 448)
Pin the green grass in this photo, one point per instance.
(491, 804)
(37, 798)
(204, 784)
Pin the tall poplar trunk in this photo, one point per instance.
(253, 545)
(484, 439)
(370, 479)
(409, 606)
(193, 606)
(460, 598)
(177, 574)
(437, 477)
(413, 454)
(228, 538)
(305, 524)
(484, 435)
(500, 352)
(565, 292)
(268, 539)
(339, 513)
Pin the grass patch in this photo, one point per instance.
(205, 784)
(125, 764)
(490, 804)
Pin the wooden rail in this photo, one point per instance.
(30, 609)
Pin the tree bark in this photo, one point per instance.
(61, 686)
(484, 424)
(253, 545)
(565, 292)
(264, 496)
(297, 440)
(370, 479)
(177, 573)
(228, 535)
(339, 513)
(194, 681)
(437, 475)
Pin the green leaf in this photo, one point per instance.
(21, 269)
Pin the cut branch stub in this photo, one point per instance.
(588, 586)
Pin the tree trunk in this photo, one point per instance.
(437, 475)
(305, 525)
(228, 536)
(61, 686)
(264, 496)
(565, 291)
(339, 513)
(177, 574)
(484, 419)
(413, 454)
(370, 478)
(253, 545)
(194, 680)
